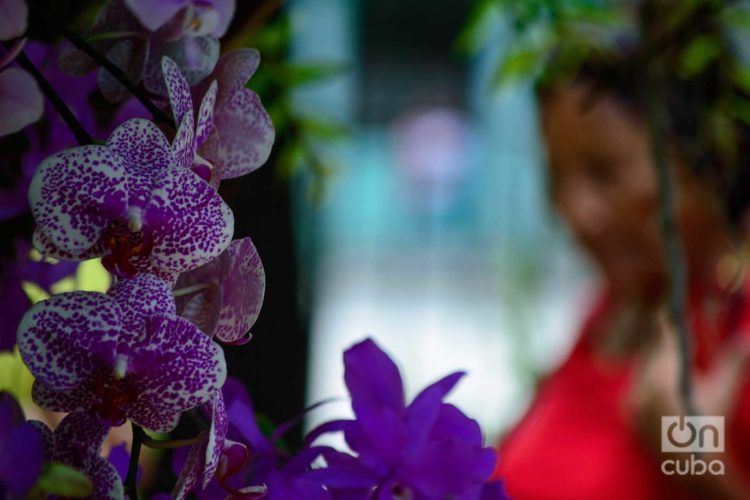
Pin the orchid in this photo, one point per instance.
(135, 34)
(249, 466)
(21, 101)
(227, 293)
(77, 442)
(427, 449)
(130, 202)
(22, 450)
(243, 133)
(123, 354)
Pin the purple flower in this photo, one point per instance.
(22, 450)
(243, 134)
(228, 293)
(130, 202)
(427, 449)
(123, 354)
(77, 442)
(249, 466)
(185, 31)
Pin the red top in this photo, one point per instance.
(577, 439)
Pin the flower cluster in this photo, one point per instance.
(145, 201)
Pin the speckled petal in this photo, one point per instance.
(205, 124)
(244, 135)
(63, 339)
(191, 224)
(78, 398)
(178, 90)
(183, 145)
(201, 308)
(188, 476)
(77, 441)
(145, 153)
(75, 195)
(45, 246)
(139, 298)
(243, 292)
(176, 368)
(233, 70)
(216, 436)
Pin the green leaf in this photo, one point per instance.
(323, 129)
(518, 64)
(300, 74)
(62, 480)
(698, 54)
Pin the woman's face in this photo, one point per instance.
(603, 182)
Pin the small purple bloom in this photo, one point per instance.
(427, 449)
(22, 450)
(123, 354)
(228, 293)
(14, 16)
(243, 134)
(203, 17)
(130, 202)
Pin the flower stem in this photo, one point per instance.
(63, 110)
(105, 63)
(131, 482)
(673, 250)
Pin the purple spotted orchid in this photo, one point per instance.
(243, 134)
(191, 133)
(21, 101)
(224, 296)
(120, 355)
(427, 449)
(22, 450)
(130, 202)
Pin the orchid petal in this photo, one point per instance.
(244, 135)
(233, 70)
(21, 101)
(65, 338)
(178, 90)
(188, 476)
(216, 436)
(75, 194)
(139, 298)
(205, 123)
(183, 145)
(176, 368)
(130, 55)
(191, 224)
(372, 378)
(13, 18)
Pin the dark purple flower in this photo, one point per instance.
(427, 449)
(22, 450)
(249, 465)
(130, 202)
(228, 293)
(243, 134)
(123, 354)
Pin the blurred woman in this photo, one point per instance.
(593, 430)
